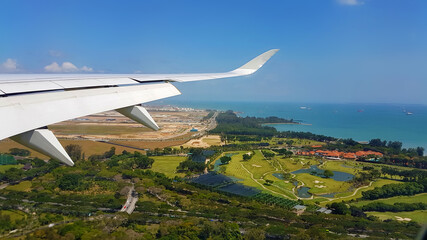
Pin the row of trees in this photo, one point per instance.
(230, 124)
(391, 190)
(396, 207)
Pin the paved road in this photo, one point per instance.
(129, 205)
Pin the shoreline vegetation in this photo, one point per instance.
(296, 123)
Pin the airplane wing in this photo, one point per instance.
(30, 102)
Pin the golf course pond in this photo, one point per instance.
(338, 176)
(302, 192)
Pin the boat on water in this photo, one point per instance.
(409, 113)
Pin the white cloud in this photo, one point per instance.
(66, 67)
(350, 2)
(9, 65)
(86, 69)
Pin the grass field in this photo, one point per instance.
(406, 199)
(342, 166)
(257, 165)
(261, 169)
(97, 129)
(24, 186)
(167, 165)
(349, 195)
(88, 147)
(4, 168)
(296, 163)
(419, 216)
(319, 185)
(14, 214)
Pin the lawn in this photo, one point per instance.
(406, 199)
(96, 129)
(167, 165)
(296, 163)
(419, 216)
(261, 169)
(257, 165)
(14, 214)
(24, 186)
(234, 168)
(4, 168)
(342, 166)
(347, 196)
(319, 185)
(88, 147)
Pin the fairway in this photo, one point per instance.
(14, 214)
(319, 185)
(419, 216)
(351, 195)
(167, 165)
(342, 166)
(24, 186)
(405, 199)
(4, 168)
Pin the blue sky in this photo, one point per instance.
(331, 50)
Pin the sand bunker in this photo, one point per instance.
(402, 219)
(253, 165)
(320, 186)
(316, 181)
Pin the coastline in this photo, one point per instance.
(305, 124)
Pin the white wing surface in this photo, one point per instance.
(32, 101)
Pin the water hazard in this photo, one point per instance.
(338, 176)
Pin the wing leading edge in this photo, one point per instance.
(29, 102)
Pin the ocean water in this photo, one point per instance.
(361, 122)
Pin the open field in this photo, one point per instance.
(342, 166)
(350, 195)
(296, 162)
(24, 186)
(112, 125)
(97, 129)
(406, 199)
(93, 147)
(419, 216)
(254, 172)
(14, 214)
(319, 185)
(167, 165)
(204, 142)
(4, 168)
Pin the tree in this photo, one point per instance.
(339, 208)
(254, 234)
(19, 152)
(69, 181)
(328, 173)
(74, 151)
(420, 151)
(13, 174)
(225, 159)
(142, 161)
(110, 153)
(246, 157)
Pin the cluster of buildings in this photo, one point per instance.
(337, 155)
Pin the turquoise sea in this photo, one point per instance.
(361, 122)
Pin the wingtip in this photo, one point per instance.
(256, 63)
